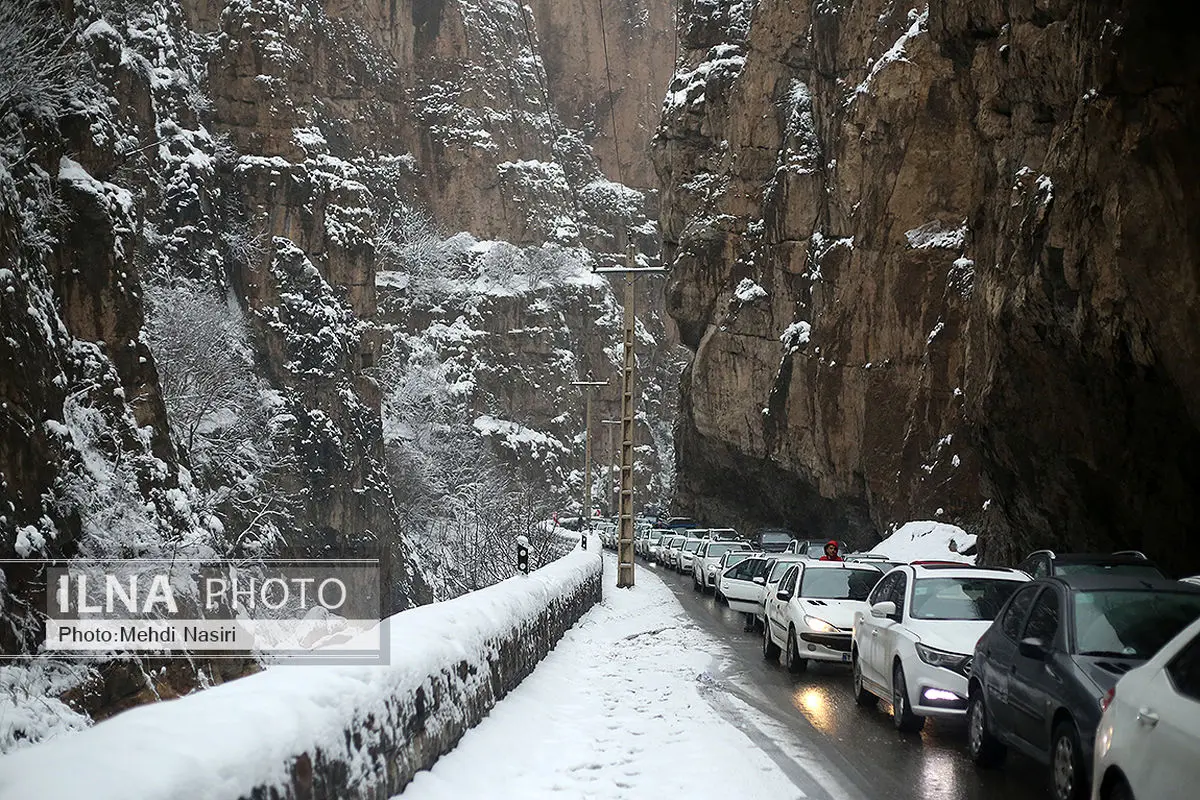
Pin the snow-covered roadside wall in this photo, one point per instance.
(325, 732)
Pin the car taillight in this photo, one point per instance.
(1106, 701)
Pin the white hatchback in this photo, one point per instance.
(914, 640)
(810, 614)
(1149, 735)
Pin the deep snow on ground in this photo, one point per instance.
(618, 710)
(926, 540)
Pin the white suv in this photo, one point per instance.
(707, 562)
(914, 642)
(811, 612)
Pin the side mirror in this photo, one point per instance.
(783, 595)
(1033, 648)
(760, 580)
(884, 610)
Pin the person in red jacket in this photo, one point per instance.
(831, 551)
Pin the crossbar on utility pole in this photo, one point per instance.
(625, 559)
(587, 387)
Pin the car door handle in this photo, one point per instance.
(874, 633)
(1147, 718)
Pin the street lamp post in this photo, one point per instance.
(587, 387)
(625, 539)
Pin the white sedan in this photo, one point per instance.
(708, 559)
(1148, 739)
(687, 555)
(809, 615)
(914, 640)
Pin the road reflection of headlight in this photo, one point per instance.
(938, 778)
(816, 709)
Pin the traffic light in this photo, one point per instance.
(523, 555)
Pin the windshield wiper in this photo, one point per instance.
(1106, 654)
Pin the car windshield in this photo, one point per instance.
(716, 550)
(677, 543)
(735, 558)
(852, 583)
(776, 537)
(1132, 623)
(691, 545)
(960, 598)
(654, 536)
(1125, 570)
(778, 570)
(815, 550)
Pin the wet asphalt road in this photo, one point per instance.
(818, 728)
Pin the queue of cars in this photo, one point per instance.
(1087, 663)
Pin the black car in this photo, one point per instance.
(1041, 672)
(774, 540)
(1047, 563)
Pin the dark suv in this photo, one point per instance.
(1047, 563)
(1042, 672)
(774, 540)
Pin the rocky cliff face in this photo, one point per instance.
(939, 262)
(201, 205)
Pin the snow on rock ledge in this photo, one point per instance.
(325, 731)
(930, 541)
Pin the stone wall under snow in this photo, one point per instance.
(326, 731)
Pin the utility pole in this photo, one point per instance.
(613, 461)
(625, 539)
(587, 387)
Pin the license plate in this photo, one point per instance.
(845, 656)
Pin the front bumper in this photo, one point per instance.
(936, 691)
(825, 646)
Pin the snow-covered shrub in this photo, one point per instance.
(42, 65)
(221, 417)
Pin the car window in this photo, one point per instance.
(898, 591)
(702, 550)
(883, 589)
(1125, 570)
(1184, 669)
(1014, 615)
(692, 545)
(966, 598)
(764, 566)
(777, 572)
(838, 584)
(1133, 623)
(790, 578)
(1043, 619)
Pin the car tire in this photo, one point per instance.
(862, 695)
(1068, 778)
(695, 583)
(902, 715)
(795, 663)
(769, 648)
(985, 749)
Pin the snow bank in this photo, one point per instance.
(352, 730)
(915, 541)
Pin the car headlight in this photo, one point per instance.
(712, 567)
(819, 625)
(956, 662)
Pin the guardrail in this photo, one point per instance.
(325, 732)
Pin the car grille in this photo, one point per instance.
(834, 641)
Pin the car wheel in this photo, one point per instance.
(861, 695)
(986, 750)
(795, 663)
(902, 715)
(695, 583)
(770, 649)
(1066, 769)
